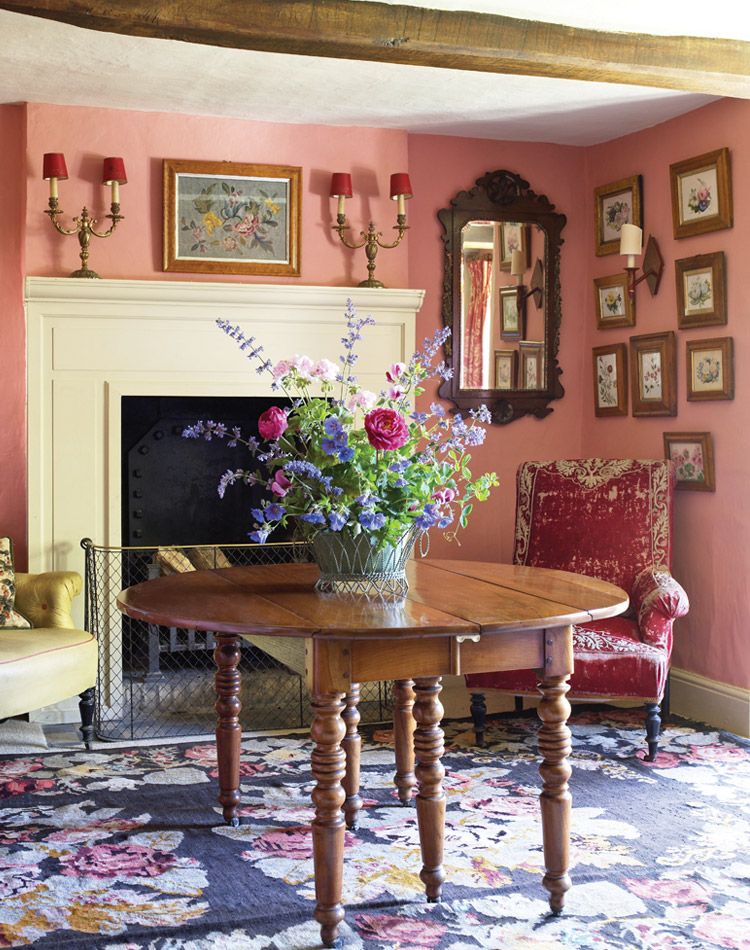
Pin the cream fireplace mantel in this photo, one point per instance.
(91, 342)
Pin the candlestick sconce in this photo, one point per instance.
(535, 288)
(631, 245)
(341, 188)
(113, 174)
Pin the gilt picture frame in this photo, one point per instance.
(610, 374)
(692, 454)
(531, 367)
(506, 369)
(615, 204)
(710, 369)
(701, 290)
(512, 316)
(231, 218)
(701, 194)
(614, 305)
(653, 374)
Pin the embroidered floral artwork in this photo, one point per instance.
(606, 378)
(124, 849)
(708, 370)
(699, 199)
(617, 213)
(699, 292)
(651, 379)
(688, 461)
(612, 302)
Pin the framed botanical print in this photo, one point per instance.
(231, 218)
(701, 194)
(610, 380)
(653, 374)
(710, 369)
(512, 317)
(514, 236)
(614, 305)
(614, 205)
(531, 371)
(506, 369)
(693, 456)
(701, 291)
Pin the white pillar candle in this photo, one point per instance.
(53, 188)
(401, 207)
(115, 192)
(341, 204)
(631, 240)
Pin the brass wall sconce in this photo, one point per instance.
(536, 287)
(631, 245)
(341, 188)
(113, 174)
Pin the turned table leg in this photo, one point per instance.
(403, 739)
(554, 746)
(428, 748)
(328, 767)
(352, 744)
(228, 729)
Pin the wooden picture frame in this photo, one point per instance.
(514, 235)
(653, 374)
(701, 194)
(512, 315)
(614, 205)
(692, 454)
(232, 218)
(710, 369)
(701, 290)
(614, 305)
(610, 374)
(506, 369)
(531, 366)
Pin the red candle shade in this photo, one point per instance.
(54, 166)
(400, 185)
(341, 185)
(113, 169)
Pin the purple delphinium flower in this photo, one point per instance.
(346, 454)
(275, 511)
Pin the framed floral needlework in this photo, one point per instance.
(710, 369)
(693, 456)
(653, 374)
(512, 317)
(701, 194)
(701, 291)
(614, 305)
(506, 369)
(614, 205)
(610, 380)
(231, 218)
(514, 236)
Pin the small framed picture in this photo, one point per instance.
(531, 372)
(693, 456)
(710, 369)
(514, 236)
(614, 305)
(512, 319)
(701, 194)
(653, 374)
(614, 205)
(610, 380)
(701, 291)
(506, 369)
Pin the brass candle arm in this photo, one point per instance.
(84, 228)
(371, 241)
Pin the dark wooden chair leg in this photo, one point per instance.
(518, 703)
(653, 728)
(479, 716)
(86, 705)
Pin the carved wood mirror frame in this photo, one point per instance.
(502, 196)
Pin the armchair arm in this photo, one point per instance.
(658, 600)
(45, 599)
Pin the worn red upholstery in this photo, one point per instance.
(610, 519)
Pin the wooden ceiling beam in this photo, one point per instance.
(416, 36)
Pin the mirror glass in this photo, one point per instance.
(501, 297)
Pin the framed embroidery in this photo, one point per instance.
(701, 291)
(610, 380)
(710, 369)
(531, 372)
(614, 305)
(701, 194)
(506, 369)
(614, 205)
(512, 317)
(692, 454)
(653, 374)
(514, 236)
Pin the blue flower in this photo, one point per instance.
(346, 454)
(329, 446)
(275, 512)
(259, 536)
(427, 519)
(258, 514)
(337, 519)
(371, 520)
(332, 426)
(313, 517)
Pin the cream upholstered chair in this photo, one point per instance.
(53, 660)
(610, 519)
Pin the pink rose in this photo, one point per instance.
(272, 423)
(386, 429)
(395, 372)
(279, 484)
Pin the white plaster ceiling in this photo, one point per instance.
(45, 61)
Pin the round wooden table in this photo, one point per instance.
(458, 617)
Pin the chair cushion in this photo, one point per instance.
(611, 662)
(10, 618)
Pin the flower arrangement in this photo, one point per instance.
(353, 461)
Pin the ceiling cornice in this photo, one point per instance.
(344, 29)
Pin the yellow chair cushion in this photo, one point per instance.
(46, 598)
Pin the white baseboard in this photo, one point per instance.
(710, 701)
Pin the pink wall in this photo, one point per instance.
(712, 555)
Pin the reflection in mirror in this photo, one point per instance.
(501, 297)
(496, 287)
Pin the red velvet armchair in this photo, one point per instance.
(610, 519)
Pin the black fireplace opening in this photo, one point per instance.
(169, 483)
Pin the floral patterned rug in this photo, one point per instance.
(123, 848)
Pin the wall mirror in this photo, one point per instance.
(501, 297)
